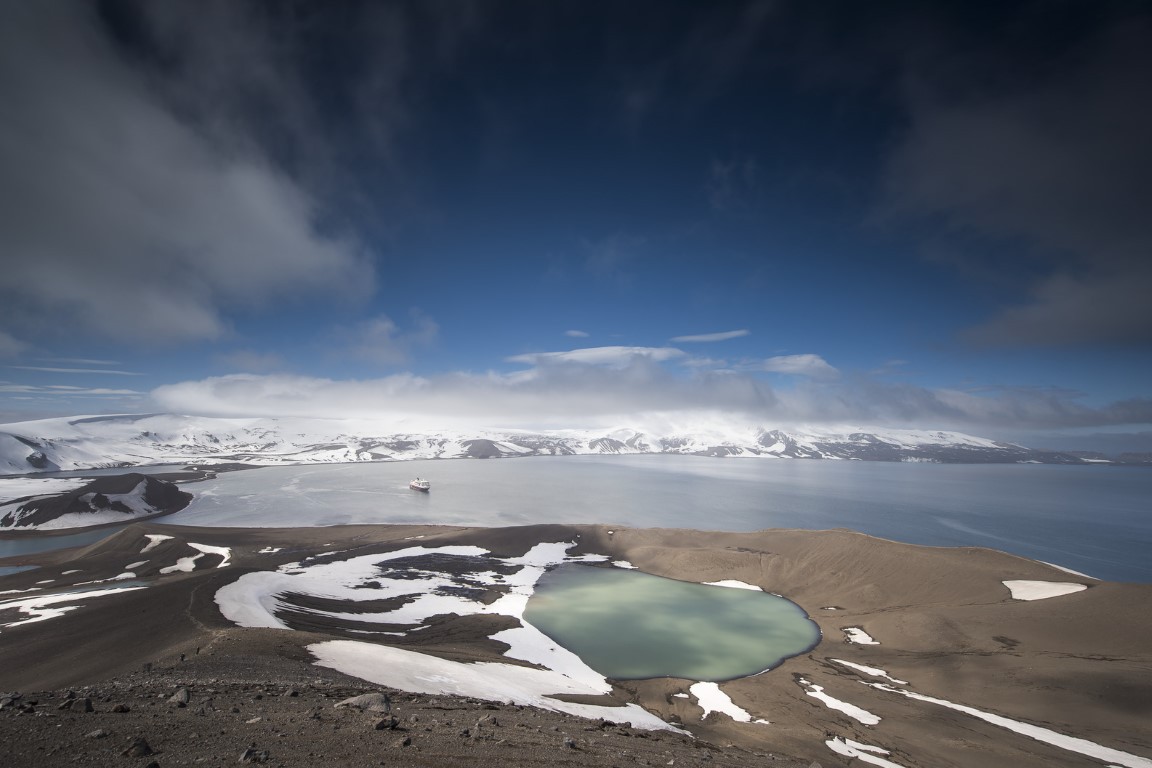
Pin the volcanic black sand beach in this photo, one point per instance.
(1075, 667)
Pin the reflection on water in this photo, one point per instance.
(629, 625)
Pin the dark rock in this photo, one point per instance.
(254, 756)
(99, 733)
(121, 708)
(386, 724)
(569, 742)
(404, 742)
(138, 748)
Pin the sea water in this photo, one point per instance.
(1092, 519)
(629, 625)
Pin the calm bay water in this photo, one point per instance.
(1093, 519)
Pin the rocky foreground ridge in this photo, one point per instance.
(203, 710)
(133, 440)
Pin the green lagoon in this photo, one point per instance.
(629, 625)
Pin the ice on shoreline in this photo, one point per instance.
(734, 584)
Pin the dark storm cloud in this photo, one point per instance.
(1046, 156)
(121, 218)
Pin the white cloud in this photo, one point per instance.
(590, 394)
(576, 334)
(61, 390)
(251, 361)
(75, 370)
(77, 361)
(575, 394)
(125, 221)
(381, 341)
(704, 337)
(800, 365)
(10, 346)
(599, 355)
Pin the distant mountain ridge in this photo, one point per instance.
(135, 440)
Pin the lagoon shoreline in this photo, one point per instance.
(941, 619)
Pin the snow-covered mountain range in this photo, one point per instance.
(135, 440)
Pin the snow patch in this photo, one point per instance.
(853, 711)
(511, 684)
(53, 606)
(254, 599)
(1041, 590)
(1045, 735)
(712, 699)
(184, 564)
(873, 671)
(208, 549)
(862, 752)
(154, 540)
(12, 488)
(858, 636)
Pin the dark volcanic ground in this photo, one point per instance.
(942, 619)
(281, 712)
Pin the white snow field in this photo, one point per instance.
(1041, 590)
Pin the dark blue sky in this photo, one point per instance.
(930, 215)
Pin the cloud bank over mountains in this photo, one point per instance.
(605, 387)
